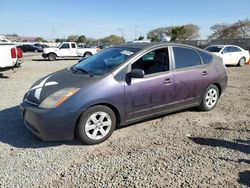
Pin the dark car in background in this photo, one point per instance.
(121, 85)
(41, 45)
(30, 48)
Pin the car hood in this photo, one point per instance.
(56, 81)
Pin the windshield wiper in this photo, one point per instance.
(75, 70)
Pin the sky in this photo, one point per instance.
(99, 18)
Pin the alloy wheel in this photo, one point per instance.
(211, 98)
(98, 125)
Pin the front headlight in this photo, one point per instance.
(57, 98)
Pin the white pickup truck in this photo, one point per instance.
(8, 57)
(67, 49)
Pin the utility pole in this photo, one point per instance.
(120, 29)
(136, 26)
(53, 33)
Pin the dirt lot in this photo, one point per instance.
(185, 149)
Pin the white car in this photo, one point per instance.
(68, 49)
(231, 54)
(8, 56)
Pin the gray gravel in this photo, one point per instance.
(185, 149)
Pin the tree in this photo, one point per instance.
(224, 31)
(112, 40)
(177, 33)
(60, 40)
(244, 28)
(155, 35)
(72, 38)
(81, 39)
(140, 37)
(40, 39)
(191, 31)
(183, 32)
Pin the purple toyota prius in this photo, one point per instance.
(121, 85)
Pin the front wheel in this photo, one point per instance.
(242, 62)
(52, 57)
(210, 98)
(96, 125)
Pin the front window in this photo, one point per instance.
(214, 49)
(65, 46)
(105, 61)
(153, 62)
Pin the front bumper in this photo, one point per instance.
(49, 124)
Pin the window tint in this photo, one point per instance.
(64, 46)
(105, 61)
(73, 45)
(205, 57)
(153, 62)
(234, 49)
(185, 57)
(231, 49)
(214, 49)
(149, 56)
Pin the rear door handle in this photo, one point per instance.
(204, 73)
(168, 81)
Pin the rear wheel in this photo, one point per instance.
(87, 54)
(210, 98)
(52, 57)
(242, 62)
(96, 125)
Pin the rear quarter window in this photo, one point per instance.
(206, 57)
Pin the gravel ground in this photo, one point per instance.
(184, 149)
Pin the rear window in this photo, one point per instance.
(207, 58)
(214, 49)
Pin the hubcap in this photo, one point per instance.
(211, 98)
(98, 125)
(242, 61)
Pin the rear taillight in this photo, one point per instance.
(13, 53)
(19, 53)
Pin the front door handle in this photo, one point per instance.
(204, 73)
(168, 81)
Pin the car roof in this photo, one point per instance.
(146, 45)
(220, 45)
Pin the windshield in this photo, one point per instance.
(214, 49)
(103, 62)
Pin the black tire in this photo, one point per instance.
(86, 117)
(204, 106)
(242, 62)
(52, 56)
(87, 54)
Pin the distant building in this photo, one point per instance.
(28, 39)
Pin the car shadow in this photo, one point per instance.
(14, 133)
(244, 178)
(244, 148)
(193, 109)
(46, 60)
(3, 77)
(239, 145)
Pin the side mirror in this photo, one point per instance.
(222, 52)
(137, 73)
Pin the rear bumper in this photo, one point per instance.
(49, 125)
